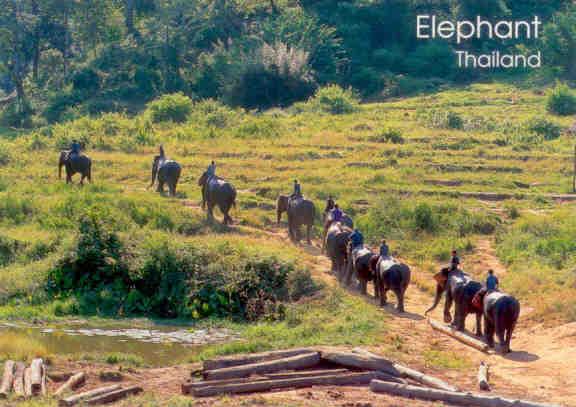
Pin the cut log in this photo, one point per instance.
(36, 369)
(359, 361)
(306, 373)
(413, 374)
(59, 376)
(295, 362)
(238, 360)
(186, 387)
(458, 398)
(265, 385)
(28, 382)
(483, 372)
(72, 383)
(114, 395)
(77, 398)
(18, 385)
(7, 378)
(462, 337)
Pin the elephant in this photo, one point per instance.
(501, 312)
(167, 171)
(361, 262)
(300, 212)
(391, 275)
(75, 163)
(218, 192)
(346, 221)
(336, 243)
(460, 289)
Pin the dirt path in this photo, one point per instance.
(539, 368)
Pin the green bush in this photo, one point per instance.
(5, 155)
(561, 100)
(175, 107)
(86, 80)
(544, 128)
(389, 135)
(335, 100)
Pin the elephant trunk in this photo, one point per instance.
(154, 172)
(439, 291)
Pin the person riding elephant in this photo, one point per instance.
(336, 214)
(356, 239)
(454, 261)
(390, 274)
(384, 250)
(217, 192)
(297, 190)
(360, 263)
(329, 206)
(301, 212)
(166, 171)
(460, 289)
(336, 244)
(501, 312)
(75, 162)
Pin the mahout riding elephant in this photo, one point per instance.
(75, 163)
(361, 262)
(336, 243)
(460, 289)
(218, 192)
(167, 171)
(391, 275)
(301, 212)
(501, 312)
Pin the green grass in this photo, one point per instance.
(380, 180)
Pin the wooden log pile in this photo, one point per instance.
(30, 381)
(23, 381)
(300, 368)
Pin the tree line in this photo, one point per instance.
(61, 58)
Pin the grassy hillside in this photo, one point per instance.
(397, 167)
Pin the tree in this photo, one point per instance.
(559, 42)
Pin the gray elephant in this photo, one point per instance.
(167, 172)
(501, 312)
(361, 263)
(391, 275)
(218, 192)
(336, 243)
(344, 221)
(75, 163)
(301, 212)
(460, 289)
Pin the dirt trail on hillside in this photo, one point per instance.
(541, 366)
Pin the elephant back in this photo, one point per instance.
(362, 259)
(79, 162)
(302, 209)
(396, 274)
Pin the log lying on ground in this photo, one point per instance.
(28, 382)
(413, 374)
(360, 361)
(462, 337)
(7, 378)
(458, 398)
(36, 373)
(239, 360)
(483, 383)
(265, 385)
(114, 395)
(72, 383)
(306, 373)
(190, 385)
(18, 385)
(59, 376)
(295, 362)
(80, 397)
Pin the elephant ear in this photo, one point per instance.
(441, 278)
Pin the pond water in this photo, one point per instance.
(157, 345)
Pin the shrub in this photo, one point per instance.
(389, 135)
(86, 80)
(174, 107)
(5, 155)
(544, 128)
(335, 100)
(561, 100)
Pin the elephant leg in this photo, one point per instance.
(400, 297)
(363, 287)
(489, 332)
(447, 306)
(308, 233)
(172, 189)
(383, 296)
(210, 211)
(478, 324)
(508, 339)
(501, 333)
(459, 317)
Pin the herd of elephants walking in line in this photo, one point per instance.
(344, 246)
